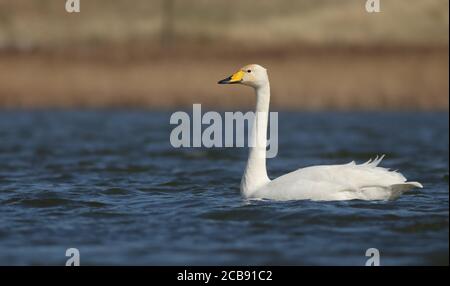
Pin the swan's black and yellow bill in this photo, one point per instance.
(235, 78)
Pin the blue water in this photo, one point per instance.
(110, 184)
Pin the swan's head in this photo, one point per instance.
(251, 75)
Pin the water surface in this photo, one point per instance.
(110, 184)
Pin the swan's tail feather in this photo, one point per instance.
(390, 192)
(397, 190)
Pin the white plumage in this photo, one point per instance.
(338, 182)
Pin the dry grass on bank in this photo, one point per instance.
(300, 79)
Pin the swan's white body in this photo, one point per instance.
(349, 181)
(336, 182)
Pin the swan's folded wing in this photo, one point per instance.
(340, 182)
(289, 187)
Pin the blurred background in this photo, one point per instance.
(321, 54)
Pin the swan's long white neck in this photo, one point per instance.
(255, 174)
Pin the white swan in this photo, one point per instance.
(349, 181)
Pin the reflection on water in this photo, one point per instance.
(110, 184)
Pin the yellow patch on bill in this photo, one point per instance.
(237, 76)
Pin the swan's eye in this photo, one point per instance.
(249, 71)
